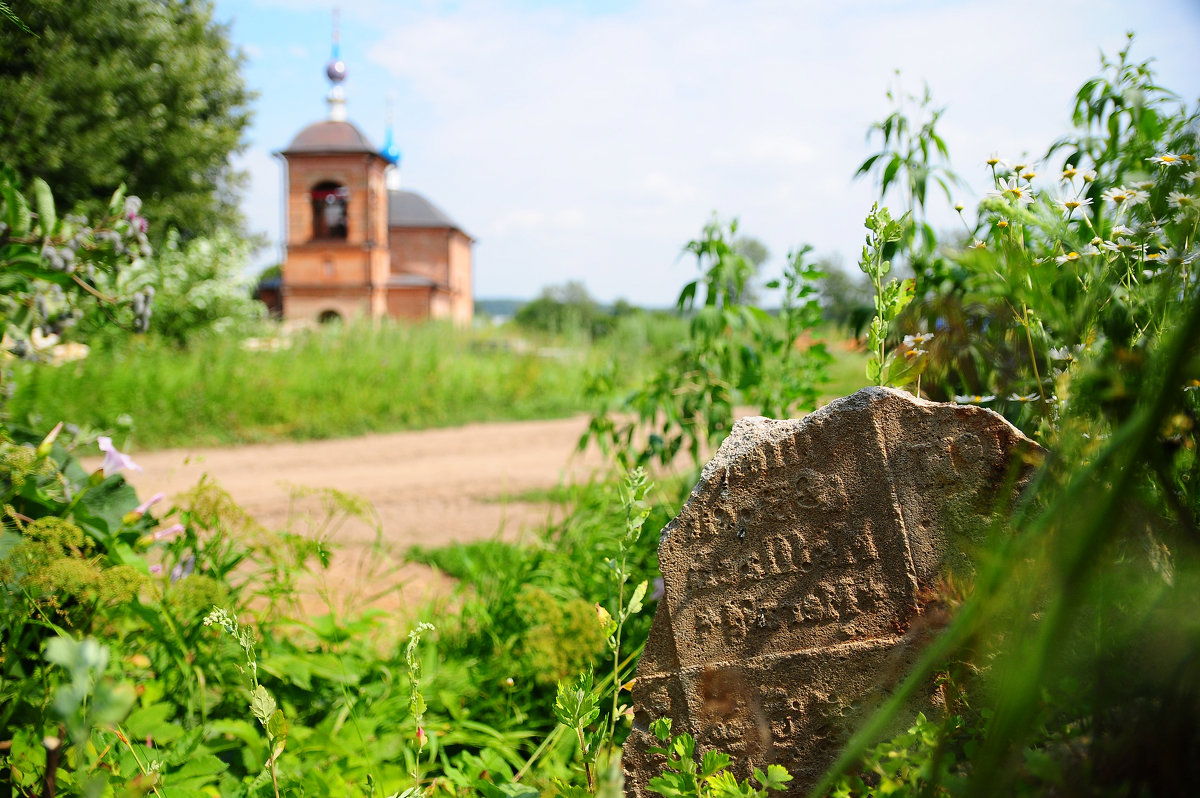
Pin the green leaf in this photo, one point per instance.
(777, 777)
(17, 215)
(661, 728)
(713, 761)
(262, 704)
(635, 601)
(889, 173)
(47, 218)
(151, 721)
(277, 725)
(575, 705)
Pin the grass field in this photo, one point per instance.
(339, 382)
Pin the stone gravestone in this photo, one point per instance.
(796, 568)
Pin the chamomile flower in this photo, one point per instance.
(1028, 173)
(997, 163)
(1122, 230)
(1012, 189)
(1061, 353)
(913, 354)
(1069, 171)
(1122, 245)
(1022, 397)
(1136, 196)
(974, 399)
(918, 339)
(1069, 257)
(1193, 175)
(1120, 195)
(1181, 200)
(1116, 194)
(1088, 175)
(1072, 204)
(1177, 257)
(1167, 159)
(977, 244)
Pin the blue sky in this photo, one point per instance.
(590, 140)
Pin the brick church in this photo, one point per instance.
(357, 244)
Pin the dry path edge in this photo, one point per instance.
(428, 487)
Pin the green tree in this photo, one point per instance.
(148, 92)
(199, 287)
(845, 298)
(756, 253)
(563, 309)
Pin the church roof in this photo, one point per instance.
(330, 136)
(410, 209)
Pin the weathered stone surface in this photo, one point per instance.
(796, 568)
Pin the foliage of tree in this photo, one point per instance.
(147, 92)
(564, 309)
(734, 353)
(845, 297)
(199, 287)
(61, 276)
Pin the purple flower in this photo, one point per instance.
(184, 567)
(156, 568)
(114, 461)
(163, 534)
(146, 505)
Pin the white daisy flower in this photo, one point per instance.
(1176, 257)
(974, 399)
(1088, 175)
(1072, 204)
(1181, 200)
(1122, 230)
(1012, 189)
(1136, 196)
(1022, 397)
(1123, 245)
(1167, 159)
(1069, 172)
(1061, 353)
(917, 339)
(1116, 194)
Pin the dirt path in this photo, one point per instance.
(428, 487)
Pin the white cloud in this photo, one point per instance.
(594, 144)
(528, 219)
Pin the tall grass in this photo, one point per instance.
(336, 382)
(327, 383)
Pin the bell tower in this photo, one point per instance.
(336, 265)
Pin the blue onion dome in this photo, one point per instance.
(390, 151)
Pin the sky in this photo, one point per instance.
(591, 140)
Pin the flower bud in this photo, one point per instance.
(44, 447)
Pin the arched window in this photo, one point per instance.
(329, 317)
(329, 201)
